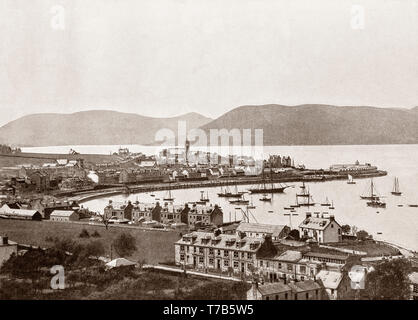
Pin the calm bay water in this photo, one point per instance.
(397, 224)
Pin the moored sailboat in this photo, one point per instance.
(396, 191)
(350, 179)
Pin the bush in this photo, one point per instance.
(96, 234)
(84, 234)
(124, 245)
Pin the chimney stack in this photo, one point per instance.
(331, 217)
(308, 214)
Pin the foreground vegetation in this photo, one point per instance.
(153, 246)
(29, 276)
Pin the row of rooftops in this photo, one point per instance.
(242, 242)
(166, 207)
(220, 241)
(296, 287)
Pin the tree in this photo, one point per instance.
(362, 235)
(124, 244)
(84, 234)
(346, 228)
(94, 249)
(389, 280)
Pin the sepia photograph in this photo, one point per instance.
(223, 150)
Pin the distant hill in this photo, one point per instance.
(324, 124)
(98, 127)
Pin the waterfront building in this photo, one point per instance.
(118, 210)
(145, 212)
(322, 228)
(259, 230)
(201, 215)
(215, 251)
(7, 248)
(171, 213)
(352, 168)
(64, 215)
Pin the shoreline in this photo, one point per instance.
(84, 196)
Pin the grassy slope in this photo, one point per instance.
(153, 246)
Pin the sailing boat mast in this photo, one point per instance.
(396, 190)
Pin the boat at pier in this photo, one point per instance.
(396, 191)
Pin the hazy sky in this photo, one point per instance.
(163, 58)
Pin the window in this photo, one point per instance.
(302, 269)
(200, 250)
(242, 255)
(249, 255)
(289, 267)
(211, 260)
(219, 252)
(267, 264)
(226, 253)
(261, 263)
(182, 257)
(200, 259)
(235, 254)
(226, 263)
(236, 264)
(280, 265)
(210, 251)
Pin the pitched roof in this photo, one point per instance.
(222, 241)
(272, 229)
(330, 279)
(325, 255)
(61, 213)
(273, 288)
(315, 223)
(20, 212)
(307, 285)
(119, 262)
(290, 256)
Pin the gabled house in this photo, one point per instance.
(321, 228)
